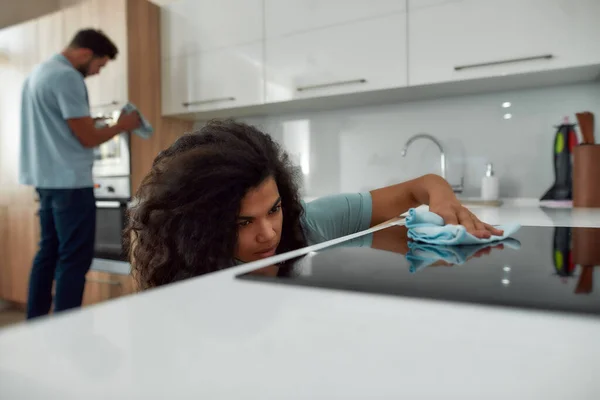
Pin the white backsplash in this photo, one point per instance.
(358, 149)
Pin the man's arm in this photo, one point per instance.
(391, 201)
(89, 136)
(71, 97)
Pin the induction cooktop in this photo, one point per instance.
(541, 268)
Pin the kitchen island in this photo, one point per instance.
(220, 337)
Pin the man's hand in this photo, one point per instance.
(454, 213)
(129, 122)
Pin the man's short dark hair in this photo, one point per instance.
(96, 41)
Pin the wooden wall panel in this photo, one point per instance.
(143, 33)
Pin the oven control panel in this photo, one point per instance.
(112, 187)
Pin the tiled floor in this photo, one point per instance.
(11, 316)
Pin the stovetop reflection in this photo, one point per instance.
(542, 268)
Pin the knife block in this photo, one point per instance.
(586, 246)
(586, 173)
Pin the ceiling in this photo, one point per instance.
(14, 12)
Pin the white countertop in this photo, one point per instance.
(216, 337)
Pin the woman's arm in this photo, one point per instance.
(391, 201)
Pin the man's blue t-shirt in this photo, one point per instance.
(51, 156)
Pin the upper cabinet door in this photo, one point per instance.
(82, 16)
(284, 17)
(453, 40)
(19, 49)
(191, 26)
(213, 80)
(112, 20)
(108, 89)
(18, 55)
(345, 47)
(50, 36)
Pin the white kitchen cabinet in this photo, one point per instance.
(50, 37)
(18, 48)
(18, 56)
(346, 58)
(219, 79)
(192, 26)
(284, 17)
(451, 40)
(77, 17)
(108, 89)
(112, 80)
(176, 81)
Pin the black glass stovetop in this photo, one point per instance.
(542, 268)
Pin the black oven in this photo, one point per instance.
(112, 189)
(112, 199)
(110, 221)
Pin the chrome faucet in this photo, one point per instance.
(455, 188)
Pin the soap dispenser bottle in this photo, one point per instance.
(489, 184)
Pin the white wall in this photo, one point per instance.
(359, 149)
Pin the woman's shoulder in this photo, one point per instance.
(329, 217)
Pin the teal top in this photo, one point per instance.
(337, 215)
(51, 156)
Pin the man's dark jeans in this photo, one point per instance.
(68, 228)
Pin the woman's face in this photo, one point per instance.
(259, 222)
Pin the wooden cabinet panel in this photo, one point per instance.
(144, 63)
(102, 286)
(5, 285)
(21, 238)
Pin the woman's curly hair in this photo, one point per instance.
(185, 221)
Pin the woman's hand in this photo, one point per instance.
(483, 252)
(454, 213)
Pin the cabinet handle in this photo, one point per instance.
(332, 84)
(112, 103)
(106, 281)
(191, 103)
(513, 60)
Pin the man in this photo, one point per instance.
(57, 140)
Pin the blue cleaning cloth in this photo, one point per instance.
(422, 255)
(427, 227)
(145, 130)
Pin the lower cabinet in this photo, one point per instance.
(102, 286)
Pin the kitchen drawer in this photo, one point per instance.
(284, 17)
(213, 80)
(349, 58)
(452, 40)
(102, 286)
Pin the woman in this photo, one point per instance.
(227, 194)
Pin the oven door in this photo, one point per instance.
(112, 158)
(110, 222)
